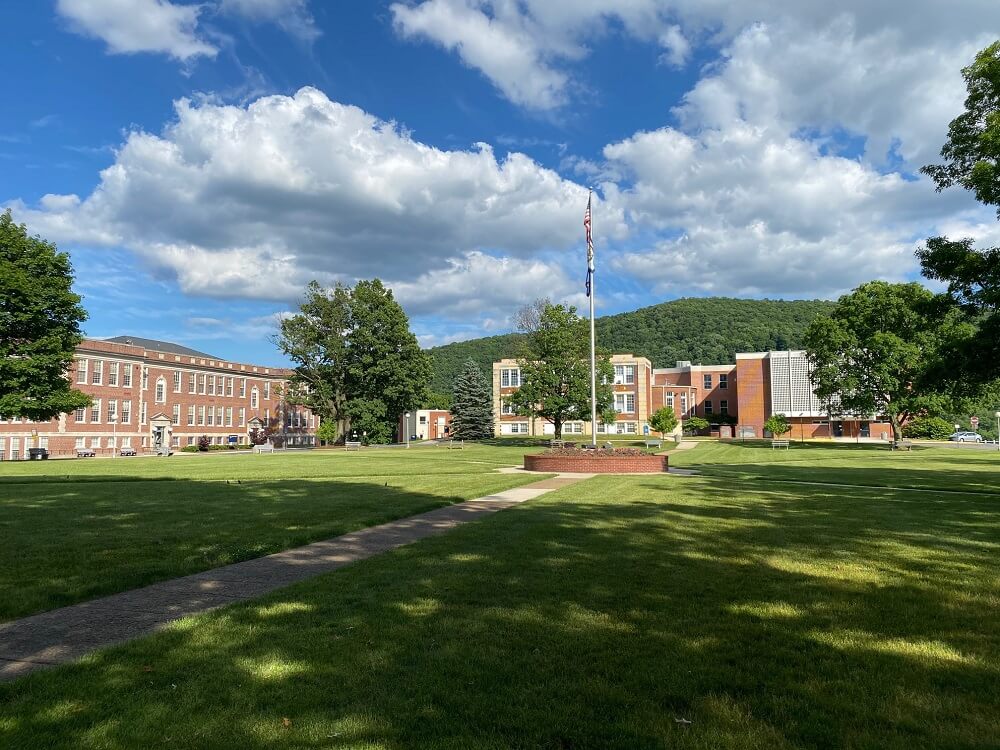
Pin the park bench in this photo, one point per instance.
(128, 452)
(266, 448)
(654, 443)
(85, 453)
(352, 445)
(557, 443)
(900, 445)
(780, 444)
(455, 444)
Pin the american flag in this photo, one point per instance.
(590, 245)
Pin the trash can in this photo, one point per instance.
(678, 438)
(35, 454)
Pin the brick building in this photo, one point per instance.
(743, 395)
(144, 393)
(425, 424)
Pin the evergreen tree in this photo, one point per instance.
(40, 320)
(472, 405)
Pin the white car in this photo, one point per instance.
(964, 436)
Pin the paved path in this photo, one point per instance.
(63, 635)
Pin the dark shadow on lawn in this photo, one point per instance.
(778, 620)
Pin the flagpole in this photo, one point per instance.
(593, 342)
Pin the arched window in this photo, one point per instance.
(254, 397)
(161, 390)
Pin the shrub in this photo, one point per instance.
(190, 449)
(599, 453)
(929, 428)
(204, 443)
(777, 425)
(694, 425)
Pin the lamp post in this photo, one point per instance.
(997, 415)
(407, 438)
(114, 436)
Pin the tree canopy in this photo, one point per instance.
(40, 318)
(357, 362)
(472, 405)
(663, 420)
(880, 352)
(555, 370)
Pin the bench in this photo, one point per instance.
(352, 445)
(266, 448)
(557, 443)
(85, 453)
(455, 444)
(654, 443)
(128, 452)
(902, 445)
(780, 444)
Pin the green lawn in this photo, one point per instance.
(720, 611)
(73, 530)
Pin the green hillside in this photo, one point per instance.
(706, 331)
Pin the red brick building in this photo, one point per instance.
(145, 393)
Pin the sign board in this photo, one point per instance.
(234, 439)
(974, 421)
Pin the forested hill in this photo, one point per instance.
(705, 330)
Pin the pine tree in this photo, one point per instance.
(472, 405)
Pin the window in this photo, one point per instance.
(175, 442)
(191, 383)
(126, 442)
(510, 378)
(625, 403)
(218, 415)
(142, 414)
(723, 381)
(684, 404)
(80, 415)
(126, 412)
(112, 410)
(97, 376)
(506, 407)
(161, 391)
(724, 407)
(267, 416)
(177, 381)
(145, 378)
(243, 387)
(95, 442)
(624, 374)
(229, 386)
(267, 391)
(81, 370)
(127, 376)
(243, 417)
(254, 398)
(670, 400)
(95, 411)
(210, 417)
(111, 442)
(708, 407)
(191, 415)
(201, 384)
(191, 440)
(113, 373)
(211, 385)
(176, 415)
(229, 416)
(708, 381)
(201, 415)
(519, 428)
(80, 443)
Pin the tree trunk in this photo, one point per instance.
(897, 430)
(557, 423)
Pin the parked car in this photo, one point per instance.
(964, 436)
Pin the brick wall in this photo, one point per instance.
(597, 465)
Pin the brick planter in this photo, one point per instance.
(597, 464)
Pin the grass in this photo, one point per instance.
(74, 530)
(719, 611)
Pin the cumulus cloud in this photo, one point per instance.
(254, 201)
(130, 26)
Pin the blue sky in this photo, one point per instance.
(202, 162)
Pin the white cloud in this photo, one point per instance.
(130, 26)
(292, 16)
(254, 201)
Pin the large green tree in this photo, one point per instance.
(972, 160)
(663, 420)
(555, 370)
(40, 320)
(472, 405)
(879, 352)
(358, 363)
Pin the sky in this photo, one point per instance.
(202, 162)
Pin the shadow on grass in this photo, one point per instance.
(685, 614)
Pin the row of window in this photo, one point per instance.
(624, 404)
(723, 381)
(575, 428)
(510, 377)
(723, 407)
(124, 416)
(201, 383)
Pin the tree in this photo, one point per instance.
(472, 405)
(555, 370)
(327, 433)
(358, 365)
(929, 428)
(437, 400)
(40, 320)
(663, 420)
(879, 352)
(694, 425)
(777, 425)
(972, 160)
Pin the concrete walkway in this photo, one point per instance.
(63, 635)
